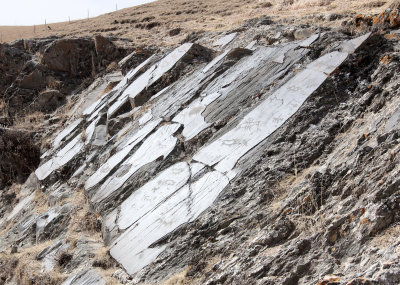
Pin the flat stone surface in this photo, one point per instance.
(261, 122)
(394, 121)
(215, 61)
(309, 41)
(61, 158)
(65, 132)
(352, 45)
(132, 250)
(225, 40)
(159, 144)
(192, 118)
(328, 62)
(86, 277)
(117, 158)
(149, 197)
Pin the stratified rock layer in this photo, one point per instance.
(265, 164)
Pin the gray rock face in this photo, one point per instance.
(68, 55)
(51, 223)
(269, 165)
(87, 277)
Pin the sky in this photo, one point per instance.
(35, 12)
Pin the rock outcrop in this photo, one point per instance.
(19, 156)
(62, 65)
(244, 159)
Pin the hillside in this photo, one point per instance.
(152, 23)
(256, 151)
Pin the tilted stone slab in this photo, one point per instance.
(155, 192)
(261, 122)
(117, 158)
(352, 45)
(137, 97)
(134, 72)
(64, 133)
(132, 248)
(224, 153)
(96, 92)
(192, 117)
(215, 61)
(328, 62)
(127, 78)
(20, 207)
(249, 77)
(309, 41)
(60, 159)
(86, 277)
(184, 90)
(225, 40)
(394, 121)
(149, 77)
(159, 144)
(90, 131)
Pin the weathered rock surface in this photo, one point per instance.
(18, 156)
(32, 68)
(73, 56)
(229, 162)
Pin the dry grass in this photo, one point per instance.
(150, 24)
(28, 270)
(178, 279)
(40, 199)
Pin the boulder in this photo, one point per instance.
(175, 32)
(105, 49)
(49, 100)
(72, 56)
(34, 80)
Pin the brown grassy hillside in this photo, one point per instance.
(152, 23)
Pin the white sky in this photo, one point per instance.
(30, 12)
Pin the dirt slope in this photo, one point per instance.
(152, 23)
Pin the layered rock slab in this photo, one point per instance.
(182, 191)
(133, 248)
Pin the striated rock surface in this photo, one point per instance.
(237, 160)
